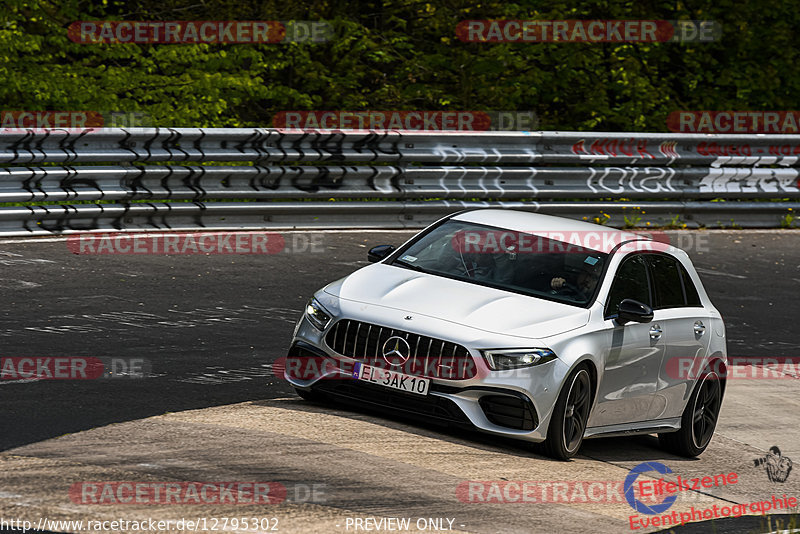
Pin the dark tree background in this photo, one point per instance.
(401, 54)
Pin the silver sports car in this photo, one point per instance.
(522, 325)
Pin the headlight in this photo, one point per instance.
(317, 315)
(499, 360)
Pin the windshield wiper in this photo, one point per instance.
(409, 266)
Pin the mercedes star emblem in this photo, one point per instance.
(396, 351)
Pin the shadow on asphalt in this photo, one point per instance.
(642, 448)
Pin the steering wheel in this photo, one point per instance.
(570, 289)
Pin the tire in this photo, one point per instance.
(699, 418)
(570, 415)
(308, 395)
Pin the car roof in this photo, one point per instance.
(551, 227)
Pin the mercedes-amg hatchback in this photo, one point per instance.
(522, 325)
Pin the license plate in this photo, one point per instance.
(391, 379)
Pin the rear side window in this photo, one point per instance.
(630, 282)
(692, 297)
(667, 281)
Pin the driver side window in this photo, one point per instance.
(630, 282)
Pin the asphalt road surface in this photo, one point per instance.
(207, 329)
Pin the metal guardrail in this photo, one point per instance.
(386, 179)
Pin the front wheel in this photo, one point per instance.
(699, 419)
(308, 395)
(570, 415)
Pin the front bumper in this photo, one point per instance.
(515, 404)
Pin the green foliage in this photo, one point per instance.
(400, 54)
(676, 223)
(632, 221)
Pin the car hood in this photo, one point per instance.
(484, 308)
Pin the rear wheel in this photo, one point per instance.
(699, 418)
(570, 415)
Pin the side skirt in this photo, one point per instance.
(629, 429)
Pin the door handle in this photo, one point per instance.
(699, 328)
(655, 332)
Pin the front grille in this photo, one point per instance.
(429, 357)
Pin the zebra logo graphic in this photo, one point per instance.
(775, 464)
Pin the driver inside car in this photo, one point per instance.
(585, 281)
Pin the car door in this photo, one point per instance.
(686, 324)
(633, 352)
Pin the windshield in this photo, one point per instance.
(515, 261)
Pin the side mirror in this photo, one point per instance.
(634, 311)
(380, 252)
